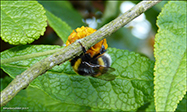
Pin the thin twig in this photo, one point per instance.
(23, 80)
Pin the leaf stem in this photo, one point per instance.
(21, 81)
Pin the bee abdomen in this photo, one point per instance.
(105, 60)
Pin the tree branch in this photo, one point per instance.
(21, 81)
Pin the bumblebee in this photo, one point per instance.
(95, 61)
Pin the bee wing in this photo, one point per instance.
(107, 77)
(105, 73)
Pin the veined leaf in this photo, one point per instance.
(170, 54)
(132, 87)
(33, 53)
(22, 21)
(151, 107)
(61, 28)
(33, 99)
(182, 106)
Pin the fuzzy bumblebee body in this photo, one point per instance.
(96, 66)
(94, 61)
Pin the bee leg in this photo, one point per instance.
(59, 64)
(86, 55)
(83, 48)
(25, 87)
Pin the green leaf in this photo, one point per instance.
(33, 99)
(65, 11)
(130, 90)
(32, 53)
(182, 107)
(22, 21)
(170, 54)
(62, 29)
(4, 82)
(151, 107)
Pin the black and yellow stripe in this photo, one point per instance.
(85, 65)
